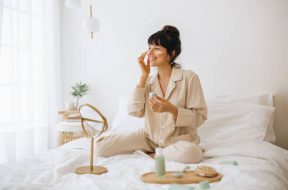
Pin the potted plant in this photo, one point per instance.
(78, 91)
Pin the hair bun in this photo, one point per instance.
(171, 30)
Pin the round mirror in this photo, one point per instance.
(93, 123)
(92, 120)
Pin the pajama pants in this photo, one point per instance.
(180, 151)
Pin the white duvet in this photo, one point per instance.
(261, 166)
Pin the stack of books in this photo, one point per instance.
(73, 117)
(70, 115)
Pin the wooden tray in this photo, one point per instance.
(189, 177)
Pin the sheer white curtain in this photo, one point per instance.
(1, 14)
(29, 77)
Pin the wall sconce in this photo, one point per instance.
(91, 24)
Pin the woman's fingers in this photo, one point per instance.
(155, 106)
(152, 106)
(142, 56)
(160, 100)
(145, 68)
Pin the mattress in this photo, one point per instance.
(261, 165)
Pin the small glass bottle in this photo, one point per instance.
(159, 163)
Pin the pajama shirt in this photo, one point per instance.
(178, 137)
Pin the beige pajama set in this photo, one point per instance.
(178, 137)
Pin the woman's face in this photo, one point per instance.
(158, 55)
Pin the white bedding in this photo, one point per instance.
(237, 129)
(261, 166)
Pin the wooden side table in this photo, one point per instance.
(65, 113)
(70, 128)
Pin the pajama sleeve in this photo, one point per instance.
(195, 111)
(136, 105)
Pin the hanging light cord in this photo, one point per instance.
(91, 17)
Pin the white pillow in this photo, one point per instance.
(241, 105)
(230, 121)
(261, 99)
(123, 122)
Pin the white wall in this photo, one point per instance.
(238, 46)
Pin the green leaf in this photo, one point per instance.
(79, 89)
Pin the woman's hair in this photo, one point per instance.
(169, 38)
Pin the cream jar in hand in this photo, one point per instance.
(152, 94)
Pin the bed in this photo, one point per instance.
(239, 129)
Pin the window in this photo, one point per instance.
(21, 70)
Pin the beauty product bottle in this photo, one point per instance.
(152, 94)
(159, 163)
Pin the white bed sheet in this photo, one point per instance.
(261, 166)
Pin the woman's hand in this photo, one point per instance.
(158, 104)
(145, 68)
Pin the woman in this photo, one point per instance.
(173, 116)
